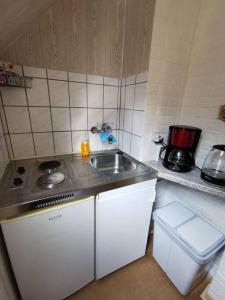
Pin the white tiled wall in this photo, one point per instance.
(186, 72)
(132, 111)
(169, 57)
(205, 86)
(58, 111)
(4, 156)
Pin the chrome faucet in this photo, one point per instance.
(104, 128)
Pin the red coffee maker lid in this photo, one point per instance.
(183, 136)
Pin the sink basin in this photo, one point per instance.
(113, 163)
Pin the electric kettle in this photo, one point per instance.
(213, 169)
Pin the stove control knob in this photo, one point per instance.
(21, 170)
(18, 181)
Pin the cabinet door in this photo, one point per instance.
(122, 224)
(52, 253)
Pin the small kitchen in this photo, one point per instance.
(112, 149)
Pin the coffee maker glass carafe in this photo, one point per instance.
(181, 146)
(213, 170)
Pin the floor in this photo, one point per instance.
(140, 280)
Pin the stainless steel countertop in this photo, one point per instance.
(82, 180)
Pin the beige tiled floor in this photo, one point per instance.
(140, 280)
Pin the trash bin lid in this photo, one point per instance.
(200, 235)
(174, 214)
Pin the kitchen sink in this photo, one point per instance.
(113, 163)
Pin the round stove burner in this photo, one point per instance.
(51, 180)
(49, 166)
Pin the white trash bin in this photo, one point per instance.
(184, 245)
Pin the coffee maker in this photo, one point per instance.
(181, 147)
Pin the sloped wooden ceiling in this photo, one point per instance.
(84, 36)
(100, 37)
(17, 15)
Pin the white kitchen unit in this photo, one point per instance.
(122, 224)
(52, 250)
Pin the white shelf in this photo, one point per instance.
(191, 179)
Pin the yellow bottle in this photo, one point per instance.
(85, 148)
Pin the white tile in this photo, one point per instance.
(122, 102)
(108, 146)
(78, 94)
(126, 142)
(128, 118)
(95, 79)
(138, 123)
(13, 96)
(130, 80)
(77, 138)
(121, 121)
(111, 81)
(34, 72)
(40, 119)
(60, 119)
(95, 96)
(4, 150)
(23, 146)
(44, 143)
(79, 118)
(120, 139)
(95, 118)
(18, 69)
(63, 142)
(2, 115)
(77, 77)
(140, 94)
(95, 142)
(110, 117)
(129, 97)
(9, 146)
(18, 119)
(1, 128)
(38, 94)
(59, 95)
(3, 157)
(135, 146)
(55, 74)
(142, 77)
(110, 97)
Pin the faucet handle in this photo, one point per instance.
(94, 130)
(106, 127)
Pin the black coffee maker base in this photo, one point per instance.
(176, 167)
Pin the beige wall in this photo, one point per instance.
(174, 28)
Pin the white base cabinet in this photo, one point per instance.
(122, 224)
(52, 251)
